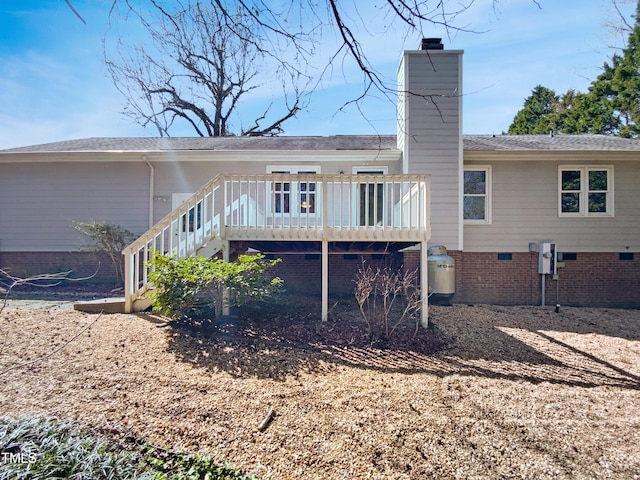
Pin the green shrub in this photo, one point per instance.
(180, 286)
(39, 449)
(44, 449)
(168, 465)
(177, 282)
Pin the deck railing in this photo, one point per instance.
(361, 207)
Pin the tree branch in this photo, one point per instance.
(44, 280)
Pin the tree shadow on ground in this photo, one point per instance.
(278, 340)
(576, 346)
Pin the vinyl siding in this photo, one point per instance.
(432, 134)
(187, 177)
(401, 114)
(525, 209)
(41, 201)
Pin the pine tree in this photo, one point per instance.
(625, 84)
(539, 113)
(610, 107)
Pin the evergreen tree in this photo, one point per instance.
(625, 84)
(539, 113)
(610, 107)
(590, 112)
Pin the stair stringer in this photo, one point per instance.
(209, 249)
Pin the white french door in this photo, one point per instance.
(371, 201)
(295, 201)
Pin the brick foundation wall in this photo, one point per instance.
(592, 279)
(82, 264)
(303, 273)
(482, 278)
(599, 279)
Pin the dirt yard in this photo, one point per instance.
(488, 393)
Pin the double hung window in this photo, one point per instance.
(476, 196)
(585, 191)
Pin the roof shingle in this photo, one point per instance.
(338, 142)
(158, 144)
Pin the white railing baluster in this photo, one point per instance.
(235, 207)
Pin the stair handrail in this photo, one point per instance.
(181, 232)
(218, 211)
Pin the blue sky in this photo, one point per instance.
(54, 87)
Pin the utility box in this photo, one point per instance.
(547, 258)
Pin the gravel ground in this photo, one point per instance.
(488, 393)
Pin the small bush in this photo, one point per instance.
(178, 282)
(107, 238)
(39, 449)
(387, 298)
(183, 286)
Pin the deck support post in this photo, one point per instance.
(325, 280)
(128, 283)
(225, 293)
(424, 285)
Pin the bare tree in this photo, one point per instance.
(75, 12)
(108, 239)
(290, 37)
(43, 280)
(620, 25)
(196, 65)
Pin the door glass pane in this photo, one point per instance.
(197, 221)
(307, 197)
(307, 194)
(282, 197)
(371, 201)
(281, 194)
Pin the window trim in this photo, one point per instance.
(364, 169)
(487, 195)
(583, 210)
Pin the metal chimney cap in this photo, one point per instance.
(431, 44)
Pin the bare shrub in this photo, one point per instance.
(387, 298)
(44, 280)
(107, 238)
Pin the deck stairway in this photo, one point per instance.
(272, 208)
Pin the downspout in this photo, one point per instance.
(151, 189)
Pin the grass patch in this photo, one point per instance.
(37, 448)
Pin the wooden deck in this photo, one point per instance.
(261, 209)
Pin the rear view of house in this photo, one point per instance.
(528, 219)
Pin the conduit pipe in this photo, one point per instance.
(151, 189)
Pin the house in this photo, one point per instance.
(528, 219)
